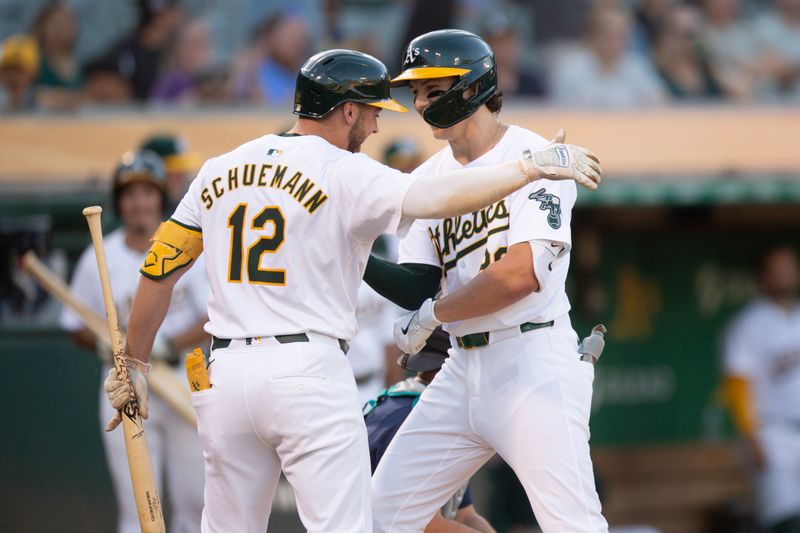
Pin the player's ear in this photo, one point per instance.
(350, 114)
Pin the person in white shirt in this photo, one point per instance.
(139, 196)
(287, 222)
(761, 365)
(515, 383)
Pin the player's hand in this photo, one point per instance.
(120, 392)
(559, 161)
(412, 329)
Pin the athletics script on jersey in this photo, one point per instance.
(308, 194)
(449, 235)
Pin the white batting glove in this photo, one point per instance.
(559, 161)
(412, 329)
(120, 393)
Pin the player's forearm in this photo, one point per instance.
(147, 313)
(470, 518)
(440, 524)
(502, 284)
(404, 285)
(462, 191)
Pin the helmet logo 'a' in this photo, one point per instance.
(411, 53)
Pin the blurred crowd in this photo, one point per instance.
(64, 54)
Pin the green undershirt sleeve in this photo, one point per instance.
(407, 285)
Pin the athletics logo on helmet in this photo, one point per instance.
(143, 166)
(333, 77)
(446, 53)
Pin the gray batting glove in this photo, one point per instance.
(412, 329)
(559, 161)
(120, 392)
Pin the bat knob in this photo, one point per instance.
(92, 210)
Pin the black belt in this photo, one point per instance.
(476, 340)
(217, 343)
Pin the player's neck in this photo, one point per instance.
(321, 128)
(482, 131)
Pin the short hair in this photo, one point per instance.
(495, 103)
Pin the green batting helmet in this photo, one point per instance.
(333, 77)
(142, 166)
(445, 53)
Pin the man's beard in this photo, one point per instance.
(356, 136)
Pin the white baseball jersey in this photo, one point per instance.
(763, 345)
(288, 222)
(465, 245)
(188, 304)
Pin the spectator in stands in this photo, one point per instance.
(680, 59)
(603, 73)
(514, 78)
(190, 55)
(213, 85)
(142, 53)
(106, 83)
(267, 70)
(60, 78)
(19, 65)
(734, 52)
(762, 377)
(778, 31)
(650, 17)
(180, 163)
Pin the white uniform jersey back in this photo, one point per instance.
(288, 222)
(189, 297)
(763, 344)
(464, 246)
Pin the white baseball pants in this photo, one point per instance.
(778, 483)
(526, 396)
(283, 406)
(174, 450)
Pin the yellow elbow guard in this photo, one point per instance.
(740, 401)
(174, 247)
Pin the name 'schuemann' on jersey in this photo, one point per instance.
(287, 225)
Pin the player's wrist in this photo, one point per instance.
(427, 314)
(527, 165)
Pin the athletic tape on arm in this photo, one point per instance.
(174, 246)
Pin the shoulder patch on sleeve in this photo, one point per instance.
(175, 246)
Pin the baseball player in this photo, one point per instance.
(139, 196)
(762, 372)
(385, 414)
(515, 383)
(287, 221)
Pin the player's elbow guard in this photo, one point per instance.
(174, 247)
(544, 255)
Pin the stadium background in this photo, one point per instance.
(695, 185)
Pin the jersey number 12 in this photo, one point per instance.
(269, 245)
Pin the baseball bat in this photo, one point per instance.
(162, 380)
(148, 504)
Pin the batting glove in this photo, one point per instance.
(122, 392)
(413, 328)
(559, 161)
